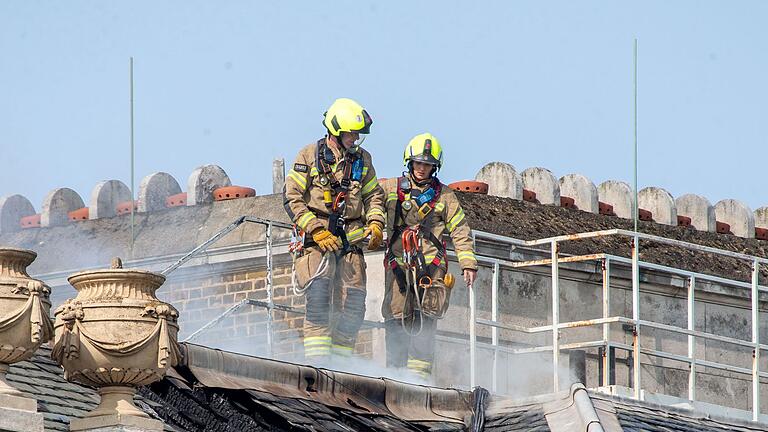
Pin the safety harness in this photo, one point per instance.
(335, 191)
(419, 271)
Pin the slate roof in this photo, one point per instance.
(526, 418)
(648, 417)
(57, 399)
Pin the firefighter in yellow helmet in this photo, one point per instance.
(418, 286)
(333, 196)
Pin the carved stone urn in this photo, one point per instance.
(24, 313)
(116, 335)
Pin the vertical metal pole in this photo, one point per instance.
(634, 112)
(691, 338)
(606, 326)
(472, 336)
(494, 318)
(133, 181)
(472, 323)
(636, 316)
(555, 318)
(756, 341)
(635, 244)
(270, 300)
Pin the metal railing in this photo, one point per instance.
(556, 326)
(269, 304)
(607, 319)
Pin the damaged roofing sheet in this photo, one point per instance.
(215, 387)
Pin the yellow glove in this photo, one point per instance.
(375, 230)
(325, 240)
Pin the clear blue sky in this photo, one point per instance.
(532, 83)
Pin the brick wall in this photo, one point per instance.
(203, 297)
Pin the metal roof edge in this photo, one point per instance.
(358, 393)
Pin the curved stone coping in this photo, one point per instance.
(581, 190)
(738, 215)
(105, 197)
(57, 204)
(543, 183)
(660, 203)
(503, 180)
(203, 181)
(12, 209)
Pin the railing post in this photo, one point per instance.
(494, 318)
(270, 299)
(472, 324)
(755, 341)
(472, 336)
(636, 316)
(606, 327)
(691, 338)
(555, 317)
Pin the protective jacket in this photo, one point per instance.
(445, 215)
(306, 200)
(435, 217)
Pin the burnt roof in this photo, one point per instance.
(214, 390)
(219, 390)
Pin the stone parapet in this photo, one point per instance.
(154, 189)
(57, 204)
(203, 181)
(502, 179)
(581, 190)
(105, 197)
(660, 203)
(543, 183)
(619, 195)
(699, 209)
(738, 215)
(12, 209)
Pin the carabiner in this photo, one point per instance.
(338, 202)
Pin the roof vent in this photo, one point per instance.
(177, 200)
(233, 192)
(471, 186)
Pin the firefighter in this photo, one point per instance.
(418, 286)
(333, 197)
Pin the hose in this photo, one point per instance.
(479, 396)
(414, 287)
(321, 268)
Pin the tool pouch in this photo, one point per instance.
(436, 298)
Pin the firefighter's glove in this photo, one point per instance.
(376, 231)
(326, 241)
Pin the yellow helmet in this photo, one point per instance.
(424, 148)
(346, 115)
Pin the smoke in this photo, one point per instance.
(288, 347)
